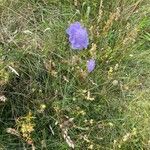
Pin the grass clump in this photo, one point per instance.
(47, 98)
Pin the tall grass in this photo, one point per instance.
(47, 98)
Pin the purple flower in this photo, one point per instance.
(90, 65)
(78, 36)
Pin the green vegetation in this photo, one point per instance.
(49, 101)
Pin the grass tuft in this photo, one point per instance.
(48, 100)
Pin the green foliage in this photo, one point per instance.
(40, 74)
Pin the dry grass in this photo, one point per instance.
(47, 98)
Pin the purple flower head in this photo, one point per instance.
(78, 36)
(90, 65)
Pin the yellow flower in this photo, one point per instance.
(27, 128)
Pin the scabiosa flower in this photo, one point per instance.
(78, 36)
(90, 65)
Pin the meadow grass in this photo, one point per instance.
(47, 98)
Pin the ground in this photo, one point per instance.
(49, 101)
